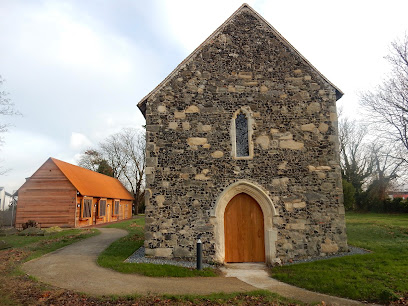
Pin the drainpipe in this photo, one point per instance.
(76, 209)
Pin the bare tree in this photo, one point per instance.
(93, 160)
(123, 154)
(355, 160)
(387, 105)
(6, 109)
(113, 152)
(386, 170)
(90, 159)
(133, 144)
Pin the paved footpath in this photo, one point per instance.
(256, 275)
(74, 267)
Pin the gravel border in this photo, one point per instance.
(352, 251)
(139, 257)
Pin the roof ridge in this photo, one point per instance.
(92, 183)
(141, 105)
(53, 159)
(191, 55)
(283, 39)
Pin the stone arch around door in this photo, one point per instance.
(268, 210)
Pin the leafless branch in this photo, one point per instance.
(7, 108)
(387, 105)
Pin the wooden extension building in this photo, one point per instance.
(65, 195)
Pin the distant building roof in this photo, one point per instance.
(398, 192)
(5, 192)
(90, 183)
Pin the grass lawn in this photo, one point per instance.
(380, 276)
(257, 297)
(15, 287)
(121, 249)
(36, 246)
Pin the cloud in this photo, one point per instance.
(191, 22)
(79, 141)
(75, 79)
(347, 44)
(76, 69)
(24, 152)
(57, 33)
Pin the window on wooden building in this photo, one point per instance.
(102, 208)
(115, 210)
(86, 208)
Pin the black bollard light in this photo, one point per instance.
(199, 254)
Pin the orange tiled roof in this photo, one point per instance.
(90, 183)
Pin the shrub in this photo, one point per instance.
(349, 195)
(29, 223)
(396, 205)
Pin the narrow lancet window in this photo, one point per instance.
(241, 133)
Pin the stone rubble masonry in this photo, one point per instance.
(294, 135)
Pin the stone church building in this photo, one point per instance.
(242, 151)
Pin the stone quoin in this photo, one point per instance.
(245, 116)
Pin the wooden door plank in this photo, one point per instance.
(244, 230)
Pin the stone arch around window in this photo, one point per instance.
(241, 134)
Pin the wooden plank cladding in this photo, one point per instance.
(51, 198)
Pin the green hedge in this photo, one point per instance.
(395, 205)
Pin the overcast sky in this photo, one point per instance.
(77, 69)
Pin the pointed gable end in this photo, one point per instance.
(256, 21)
(90, 183)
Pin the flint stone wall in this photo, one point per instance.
(295, 156)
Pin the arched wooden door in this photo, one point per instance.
(244, 230)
